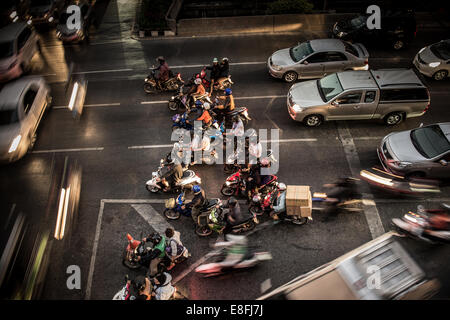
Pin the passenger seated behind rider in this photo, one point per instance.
(232, 214)
(197, 203)
(215, 73)
(224, 70)
(164, 70)
(163, 286)
(226, 103)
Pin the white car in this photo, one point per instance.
(434, 60)
(22, 105)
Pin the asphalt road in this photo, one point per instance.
(119, 119)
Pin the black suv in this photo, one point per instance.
(397, 30)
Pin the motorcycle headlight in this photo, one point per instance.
(13, 14)
(434, 64)
(15, 144)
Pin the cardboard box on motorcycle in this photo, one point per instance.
(298, 201)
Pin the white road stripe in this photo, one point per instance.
(370, 211)
(91, 105)
(68, 150)
(154, 102)
(102, 71)
(154, 146)
(153, 218)
(206, 64)
(260, 97)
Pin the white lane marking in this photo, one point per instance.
(370, 211)
(154, 102)
(153, 218)
(92, 105)
(102, 71)
(69, 150)
(266, 113)
(155, 146)
(94, 251)
(204, 65)
(260, 97)
(266, 285)
(367, 138)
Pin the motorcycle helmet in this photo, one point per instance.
(224, 59)
(197, 81)
(160, 58)
(155, 238)
(232, 201)
(215, 60)
(206, 106)
(196, 189)
(198, 103)
(228, 91)
(281, 186)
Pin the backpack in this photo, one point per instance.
(180, 248)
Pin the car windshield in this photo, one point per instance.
(358, 22)
(430, 141)
(441, 50)
(8, 117)
(329, 87)
(301, 51)
(6, 49)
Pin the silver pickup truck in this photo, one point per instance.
(389, 94)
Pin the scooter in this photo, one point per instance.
(179, 101)
(251, 259)
(418, 225)
(151, 85)
(235, 185)
(181, 121)
(126, 293)
(226, 83)
(213, 222)
(188, 180)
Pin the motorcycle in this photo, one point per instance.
(226, 83)
(213, 222)
(181, 121)
(152, 85)
(187, 181)
(242, 112)
(418, 225)
(134, 249)
(126, 293)
(231, 164)
(174, 209)
(251, 259)
(180, 101)
(235, 185)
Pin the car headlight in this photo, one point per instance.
(420, 51)
(297, 108)
(434, 64)
(50, 19)
(13, 14)
(15, 144)
(401, 164)
(275, 67)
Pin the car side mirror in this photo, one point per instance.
(443, 162)
(421, 125)
(305, 62)
(335, 103)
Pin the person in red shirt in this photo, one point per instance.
(164, 70)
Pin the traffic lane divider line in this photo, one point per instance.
(68, 150)
(91, 105)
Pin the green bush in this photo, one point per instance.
(290, 6)
(152, 14)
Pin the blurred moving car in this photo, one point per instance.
(75, 35)
(18, 44)
(421, 152)
(398, 28)
(434, 60)
(378, 270)
(44, 12)
(316, 58)
(388, 94)
(22, 106)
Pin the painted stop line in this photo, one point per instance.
(153, 218)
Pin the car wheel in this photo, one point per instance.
(290, 76)
(393, 118)
(398, 44)
(313, 120)
(440, 75)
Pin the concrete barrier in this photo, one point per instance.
(275, 23)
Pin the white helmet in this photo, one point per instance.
(281, 186)
(206, 106)
(197, 81)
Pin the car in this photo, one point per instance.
(434, 61)
(44, 12)
(421, 152)
(18, 44)
(388, 94)
(316, 58)
(22, 106)
(75, 35)
(398, 28)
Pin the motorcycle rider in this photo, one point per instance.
(236, 249)
(143, 286)
(224, 70)
(155, 255)
(164, 71)
(197, 90)
(175, 248)
(173, 175)
(206, 116)
(163, 286)
(341, 190)
(215, 73)
(280, 202)
(197, 203)
(232, 214)
(226, 103)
